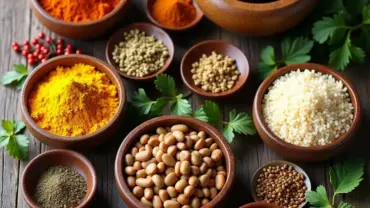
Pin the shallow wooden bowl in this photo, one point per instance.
(295, 152)
(42, 162)
(77, 142)
(148, 11)
(260, 204)
(82, 30)
(163, 121)
(279, 163)
(256, 19)
(220, 47)
(149, 29)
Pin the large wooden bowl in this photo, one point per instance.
(256, 19)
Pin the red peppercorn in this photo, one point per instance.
(49, 40)
(26, 43)
(31, 61)
(78, 51)
(30, 56)
(41, 35)
(35, 41)
(16, 48)
(59, 51)
(59, 46)
(24, 53)
(14, 44)
(45, 50)
(60, 41)
(41, 56)
(43, 60)
(36, 53)
(38, 46)
(26, 48)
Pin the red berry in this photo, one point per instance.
(36, 53)
(41, 35)
(26, 47)
(26, 43)
(59, 51)
(41, 56)
(60, 41)
(49, 40)
(24, 53)
(78, 51)
(16, 48)
(67, 53)
(31, 61)
(38, 46)
(45, 50)
(14, 44)
(69, 46)
(43, 60)
(30, 56)
(35, 41)
(60, 46)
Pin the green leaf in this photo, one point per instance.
(265, 70)
(19, 126)
(325, 28)
(4, 140)
(268, 55)
(142, 102)
(347, 176)
(8, 126)
(228, 133)
(345, 205)
(18, 146)
(366, 15)
(332, 6)
(20, 83)
(200, 114)
(180, 106)
(318, 198)
(340, 57)
(296, 50)
(365, 37)
(166, 84)
(213, 112)
(241, 123)
(20, 68)
(20, 72)
(357, 54)
(159, 105)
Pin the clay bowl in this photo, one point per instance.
(279, 163)
(149, 29)
(220, 47)
(150, 126)
(260, 204)
(148, 10)
(257, 18)
(298, 153)
(51, 158)
(78, 142)
(82, 30)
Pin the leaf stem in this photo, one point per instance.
(333, 199)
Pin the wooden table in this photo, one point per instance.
(17, 23)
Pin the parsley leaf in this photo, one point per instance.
(213, 112)
(16, 77)
(228, 133)
(340, 57)
(268, 55)
(326, 28)
(366, 15)
(142, 102)
(318, 198)
(240, 123)
(166, 84)
(159, 105)
(200, 114)
(181, 106)
(345, 205)
(10, 137)
(295, 50)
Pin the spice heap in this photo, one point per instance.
(174, 13)
(215, 73)
(175, 167)
(308, 108)
(282, 186)
(60, 187)
(140, 55)
(73, 101)
(77, 10)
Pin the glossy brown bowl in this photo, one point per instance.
(256, 19)
(295, 152)
(150, 126)
(77, 142)
(42, 162)
(198, 17)
(80, 30)
(220, 47)
(149, 29)
(279, 163)
(260, 204)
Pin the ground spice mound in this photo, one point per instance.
(78, 10)
(174, 13)
(73, 101)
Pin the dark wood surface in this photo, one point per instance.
(17, 23)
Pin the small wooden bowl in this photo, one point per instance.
(199, 16)
(77, 142)
(260, 204)
(82, 30)
(279, 163)
(150, 126)
(51, 158)
(295, 152)
(220, 47)
(149, 29)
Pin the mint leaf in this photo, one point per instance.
(20, 68)
(200, 114)
(166, 84)
(347, 176)
(14, 77)
(325, 28)
(340, 57)
(345, 205)
(241, 123)
(228, 133)
(268, 55)
(319, 198)
(295, 50)
(142, 102)
(18, 146)
(213, 112)
(366, 15)
(8, 126)
(180, 106)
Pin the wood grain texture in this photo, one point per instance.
(18, 24)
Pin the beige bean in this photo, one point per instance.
(180, 185)
(204, 179)
(203, 168)
(177, 168)
(148, 193)
(202, 134)
(185, 155)
(144, 182)
(161, 167)
(209, 173)
(196, 158)
(144, 139)
(134, 151)
(205, 152)
(141, 173)
(172, 150)
(206, 192)
(193, 133)
(171, 191)
(129, 170)
(139, 145)
(208, 161)
(163, 146)
(170, 179)
(131, 181)
(168, 160)
(216, 155)
(189, 190)
(148, 148)
(186, 206)
(138, 191)
(151, 169)
(157, 202)
(129, 160)
(189, 143)
(181, 146)
(158, 180)
(198, 193)
(195, 202)
(137, 165)
(180, 137)
(163, 195)
(145, 164)
(161, 130)
(205, 201)
(171, 204)
(156, 189)
(199, 144)
(222, 173)
(141, 149)
(213, 191)
(220, 168)
(180, 127)
(153, 141)
(185, 167)
(183, 199)
(146, 202)
(195, 170)
(178, 156)
(186, 178)
(193, 181)
(214, 146)
(169, 170)
(209, 142)
(161, 137)
(170, 140)
(158, 156)
(195, 138)
(155, 151)
(220, 181)
(143, 156)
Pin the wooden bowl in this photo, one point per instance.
(150, 126)
(149, 29)
(82, 30)
(148, 11)
(76, 142)
(51, 158)
(260, 204)
(295, 152)
(279, 163)
(220, 47)
(256, 19)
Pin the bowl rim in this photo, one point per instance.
(28, 196)
(201, 92)
(355, 99)
(198, 18)
(263, 7)
(250, 205)
(133, 135)
(73, 139)
(49, 17)
(133, 26)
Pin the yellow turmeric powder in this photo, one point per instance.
(73, 101)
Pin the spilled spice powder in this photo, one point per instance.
(174, 13)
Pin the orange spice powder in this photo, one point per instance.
(174, 13)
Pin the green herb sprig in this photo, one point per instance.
(15, 78)
(12, 138)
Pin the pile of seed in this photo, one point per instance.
(215, 73)
(281, 185)
(140, 55)
(60, 187)
(175, 167)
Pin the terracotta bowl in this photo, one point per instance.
(149, 29)
(83, 30)
(256, 19)
(148, 10)
(77, 142)
(150, 126)
(220, 47)
(298, 153)
(274, 164)
(260, 204)
(51, 158)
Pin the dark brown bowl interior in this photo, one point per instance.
(279, 163)
(260, 204)
(149, 29)
(51, 158)
(148, 10)
(163, 121)
(77, 142)
(220, 47)
(295, 152)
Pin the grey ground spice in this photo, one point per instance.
(60, 187)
